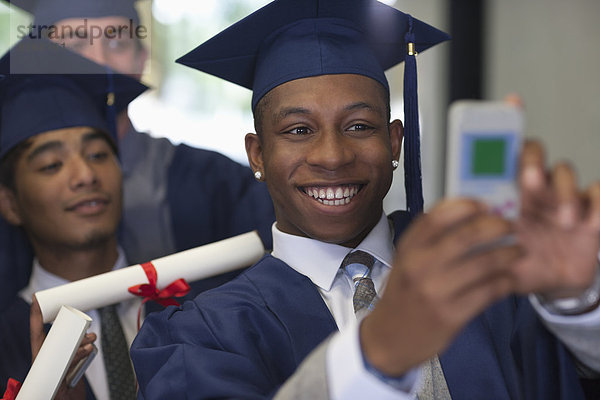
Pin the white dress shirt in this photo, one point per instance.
(127, 311)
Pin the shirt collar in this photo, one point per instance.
(320, 261)
(41, 279)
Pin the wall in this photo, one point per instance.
(548, 52)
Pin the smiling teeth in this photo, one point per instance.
(333, 195)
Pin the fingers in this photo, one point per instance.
(83, 357)
(481, 270)
(447, 236)
(551, 198)
(531, 171)
(36, 328)
(564, 184)
(514, 99)
(474, 236)
(88, 338)
(429, 227)
(85, 348)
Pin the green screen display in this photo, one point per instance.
(488, 157)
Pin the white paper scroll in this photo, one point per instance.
(55, 356)
(191, 265)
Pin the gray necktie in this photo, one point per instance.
(433, 384)
(357, 265)
(119, 372)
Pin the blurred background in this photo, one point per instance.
(543, 50)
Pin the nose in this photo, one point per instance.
(330, 151)
(83, 175)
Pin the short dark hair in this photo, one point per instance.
(259, 112)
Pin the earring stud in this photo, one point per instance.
(395, 164)
(258, 175)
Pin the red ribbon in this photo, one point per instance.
(12, 389)
(149, 291)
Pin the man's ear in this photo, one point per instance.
(396, 136)
(254, 151)
(8, 206)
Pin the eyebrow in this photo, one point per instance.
(304, 111)
(54, 145)
(282, 114)
(362, 105)
(94, 135)
(43, 148)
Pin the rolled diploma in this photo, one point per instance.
(55, 356)
(192, 265)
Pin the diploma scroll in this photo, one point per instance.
(55, 356)
(192, 265)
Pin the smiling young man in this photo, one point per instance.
(60, 183)
(445, 322)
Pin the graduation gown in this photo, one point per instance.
(245, 338)
(15, 347)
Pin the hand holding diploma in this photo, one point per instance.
(56, 354)
(37, 336)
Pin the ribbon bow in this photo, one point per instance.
(12, 389)
(149, 291)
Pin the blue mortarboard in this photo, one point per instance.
(52, 11)
(293, 39)
(50, 87)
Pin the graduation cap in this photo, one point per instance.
(292, 39)
(55, 88)
(51, 11)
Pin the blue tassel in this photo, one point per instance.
(412, 139)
